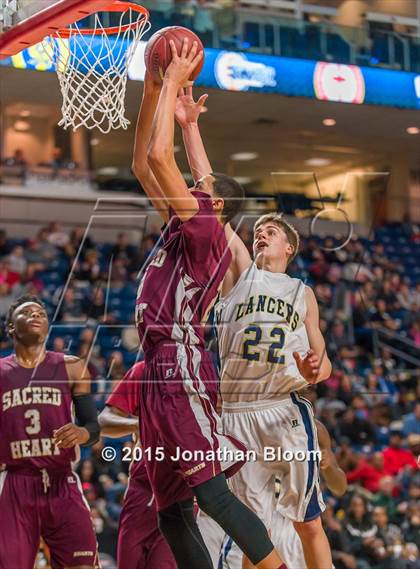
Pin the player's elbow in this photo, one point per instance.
(103, 419)
(326, 369)
(157, 156)
(340, 488)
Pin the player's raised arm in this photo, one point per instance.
(187, 113)
(140, 167)
(87, 432)
(116, 423)
(316, 365)
(333, 475)
(160, 154)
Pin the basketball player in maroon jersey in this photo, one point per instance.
(179, 427)
(40, 495)
(140, 543)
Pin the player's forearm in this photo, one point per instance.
(161, 146)
(196, 153)
(144, 131)
(336, 480)
(116, 426)
(325, 368)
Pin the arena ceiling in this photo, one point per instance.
(284, 132)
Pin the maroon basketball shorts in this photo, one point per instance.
(140, 543)
(180, 431)
(33, 505)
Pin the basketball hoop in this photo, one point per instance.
(92, 67)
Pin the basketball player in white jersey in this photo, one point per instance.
(271, 348)
(227, 555)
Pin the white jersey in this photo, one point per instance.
(260, 323)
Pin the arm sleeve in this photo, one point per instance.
(87, 416)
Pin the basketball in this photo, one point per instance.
(158, 53)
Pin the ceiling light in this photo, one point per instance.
(329, 122)
(318, 162)
(243, 156)
(413, 130)
(22, 126)
(25, 113)
(108, 171)
(243, 179)
(94, 142)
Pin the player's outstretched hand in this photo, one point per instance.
(188, 111)
(308, 366)
(182, 66)
(70, 435)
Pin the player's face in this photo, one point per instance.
(30, 322)
(270, 242)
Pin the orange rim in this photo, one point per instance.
(117, 6)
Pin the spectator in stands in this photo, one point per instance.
(34, 258)
(116, 367)
(411, 421)
(382, 318)
(71, 309)
(389, 533)
(338, 539)
(88, 270)
(18, 159)
(8, 278)
(359, 431)
(369, 472)
(385, 496)
(89, 474)
(5, 246)
(119, 272)
(48, 251)
(77, 237)
(414, 332)
(57, 236)
(121, 249)
(358, 525)
(339, 337)
(17, 260)
(397, 458)
(59, 344)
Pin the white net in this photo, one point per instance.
(92, 70)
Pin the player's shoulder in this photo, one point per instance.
(71, 360)
(137, 370)
(75, 366)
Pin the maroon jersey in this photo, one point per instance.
(126, 397)
(182, 279)
(34, 403)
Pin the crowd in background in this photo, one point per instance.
(370, 404)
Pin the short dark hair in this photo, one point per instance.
(232, 192)
(22, 300)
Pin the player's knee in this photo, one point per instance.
(310, 529)
(213, 503)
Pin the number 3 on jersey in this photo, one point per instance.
(253, 334)
(34, 417)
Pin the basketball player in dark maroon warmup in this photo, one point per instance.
(140, 543)
(179, 426)
(40, 496)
